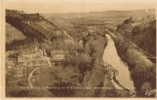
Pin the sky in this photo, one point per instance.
(66, 6)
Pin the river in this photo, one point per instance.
(111, 57)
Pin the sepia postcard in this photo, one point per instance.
(53, 49)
